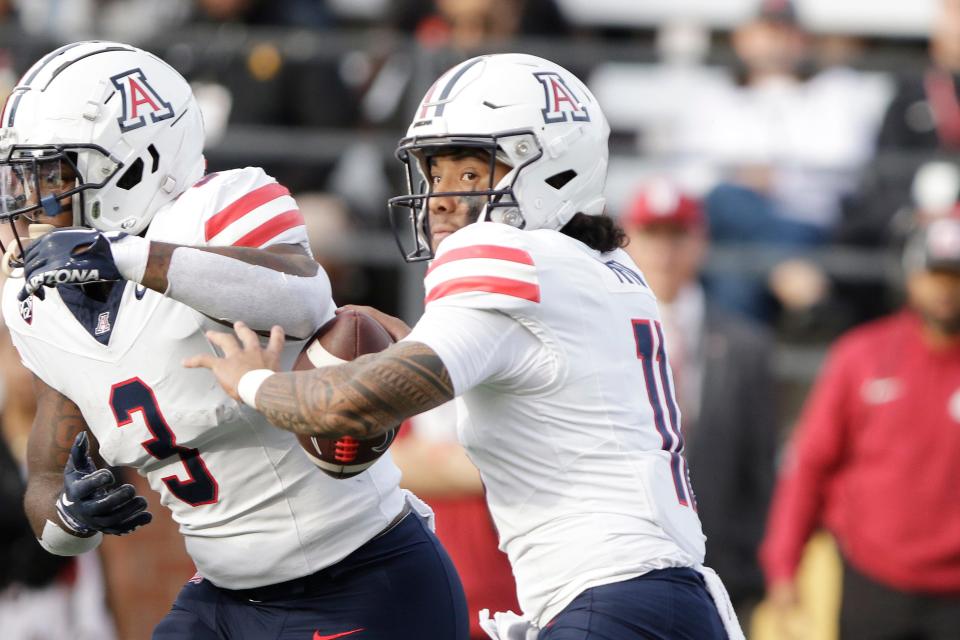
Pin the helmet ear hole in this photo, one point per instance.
(132, 176)
(559, 180)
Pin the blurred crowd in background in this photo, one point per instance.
(768, 162)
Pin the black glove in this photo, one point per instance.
(72, 255)
(91, 500)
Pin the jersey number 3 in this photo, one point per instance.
(130, 396)
(653, 357)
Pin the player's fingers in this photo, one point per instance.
(354, 307)
(78, 451)
(126, 510)
(206, 360)
(227, 344)
(80, 459)
(130, 524)
(275, 344)
(29, 288)
(373, 312)
(247, 337)
(87, 485)
(34, 264)
(35, 246)
(113, 500)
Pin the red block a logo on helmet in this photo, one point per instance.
(140, 100)
(561, 104)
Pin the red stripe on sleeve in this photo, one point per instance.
(488, 284)
(491, 251)
(271, 229)
(242, 206)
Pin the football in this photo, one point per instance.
(348, 335)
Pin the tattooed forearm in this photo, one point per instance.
(362, 398)
(57, 423)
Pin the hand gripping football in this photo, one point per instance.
(349, 335)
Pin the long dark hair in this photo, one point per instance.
(601, 233)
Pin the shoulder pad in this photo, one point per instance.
(249, 209)
(485, 265)
(240, 208)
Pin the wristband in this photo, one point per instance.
(130, 254)
(250, 383)
(60, 543)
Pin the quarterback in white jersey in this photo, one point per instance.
(104, 321)
(547, 333)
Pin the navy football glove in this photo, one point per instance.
(72, 255)
(91, 500)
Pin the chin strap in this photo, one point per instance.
(506, 215)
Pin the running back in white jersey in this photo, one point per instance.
(577, 437)
(252, 508)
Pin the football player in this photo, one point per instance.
(547, 332)
(104, 142)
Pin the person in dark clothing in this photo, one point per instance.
(23, 562)
(925, 111)
(722, 369)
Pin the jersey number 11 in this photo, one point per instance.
(653, 357)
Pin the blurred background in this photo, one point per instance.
(791, 147)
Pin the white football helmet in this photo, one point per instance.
(111, 126)
(524, 111)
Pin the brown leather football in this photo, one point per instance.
(348, 335)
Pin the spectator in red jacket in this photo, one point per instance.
(876, 460)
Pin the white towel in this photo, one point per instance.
(421, 508)
(722, 600)
(507, 626)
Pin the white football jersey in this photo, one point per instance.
(252, 508)
(567, 408)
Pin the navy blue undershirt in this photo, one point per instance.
(90, 311)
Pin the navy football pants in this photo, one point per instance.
(399, 586)
(669, 604)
